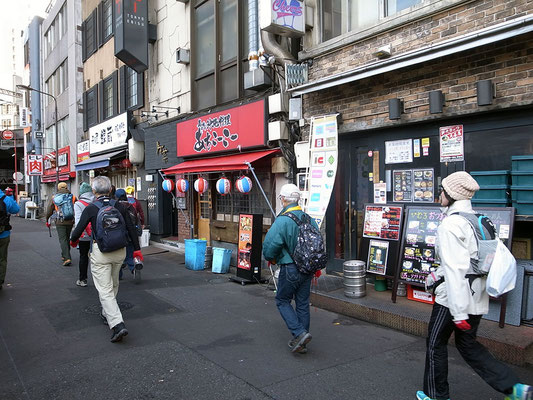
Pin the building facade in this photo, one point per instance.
(403, 75)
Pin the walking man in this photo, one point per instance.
(280, 242)
(62, 205)
(8, 206)
(136, 203)
(86, 198)
(122, 198)
(110, 228)
(458, 306)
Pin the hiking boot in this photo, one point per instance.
(119, 331)
(104, 319)
(420, 395)
(67, 262)
(136, 275)
(521, 392)
(82, 282)
(300, 341)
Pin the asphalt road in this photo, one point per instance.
(193, 335)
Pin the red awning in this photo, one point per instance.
(62, 177)
(232, 162)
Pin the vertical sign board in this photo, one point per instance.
(250, 246)
(323, 166)
(451, 143)
(381, 238)
(131, 33)
(35, 164)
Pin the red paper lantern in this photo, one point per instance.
(182, 185)
(200, 185)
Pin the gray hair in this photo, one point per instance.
(101, 185)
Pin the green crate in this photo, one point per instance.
(523, 207)
(490, 203)
(522, 178)
(485, 178)
(522, 193)
(492, 192)
(522, 163)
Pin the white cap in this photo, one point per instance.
(290, 191)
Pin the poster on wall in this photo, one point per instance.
(245, 241)
(403, 185)
(377, 257)
(382, 222)
(423, 185)
(323, 166)
(380, 193)
(451, 143)
(399, 151)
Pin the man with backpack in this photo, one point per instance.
(136, 221)
(136, 203)
(110, 227)
(8, 206)
(461, 301)
(62, 207)
(86, 198)
(294, 243)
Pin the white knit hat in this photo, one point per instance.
(290, 192)
(460, 185)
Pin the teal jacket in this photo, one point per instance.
(281, 238)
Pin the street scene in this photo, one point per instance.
(283, 199)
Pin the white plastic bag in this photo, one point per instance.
(502, 275)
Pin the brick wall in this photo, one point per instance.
(184, 229)
(363, 104)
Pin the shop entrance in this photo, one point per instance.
(204, 207)
(346, 206)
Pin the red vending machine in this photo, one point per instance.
(250, 248)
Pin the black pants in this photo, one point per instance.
(84, 247)
(441, 326)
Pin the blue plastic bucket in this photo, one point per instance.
(195, 253)
(221, 260)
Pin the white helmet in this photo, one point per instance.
(290, 192)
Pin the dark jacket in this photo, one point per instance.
(89, 215)
(280, 240)
(52, 207)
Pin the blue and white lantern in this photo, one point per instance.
(182, 185)
(223, 186)
(244, 184)
(168, 185)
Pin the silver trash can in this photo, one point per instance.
(354, 278)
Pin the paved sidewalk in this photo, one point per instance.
(193, 335)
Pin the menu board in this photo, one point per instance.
(403, 185)
(377, 257)
(382, 221)
(417, 253)
(423, 186)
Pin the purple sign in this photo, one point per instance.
(287, 10)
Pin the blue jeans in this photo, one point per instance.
(129, 259)
(292, 284)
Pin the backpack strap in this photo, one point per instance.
(293, 217)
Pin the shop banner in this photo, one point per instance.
(323, 165)
(49, 162)
(382, 222)
(245, 241)
(377, 257)
(83, 151)
(35, 164)
(109, 134)
(236, 128)
(451, 143)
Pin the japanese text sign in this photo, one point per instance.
(235, 128)
(35, 164)
(83, 150)
(63, 162)
(109, 134)
(451, 143)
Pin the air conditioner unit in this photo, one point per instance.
(277, 130)
(278, 103)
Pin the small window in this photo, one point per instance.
(395, 6)
(64, 19)
(107, 19)
(131, 88)
(89, 36)
(90, 107)
(108, 98)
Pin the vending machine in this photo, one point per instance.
(250, 248)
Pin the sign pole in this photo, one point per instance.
(16, 180)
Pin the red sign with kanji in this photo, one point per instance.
(235, 128)
(63, 162)
(35, 164)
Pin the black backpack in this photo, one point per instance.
(4, 216)
(309, 254)
(133, 216)
(110, 230)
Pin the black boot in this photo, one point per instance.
(119, 331)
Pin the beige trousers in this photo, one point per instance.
(105, 268)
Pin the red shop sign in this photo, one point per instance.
(63, 162)
(235, 128)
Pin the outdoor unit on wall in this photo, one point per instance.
(277, 130)
(278, 103)
(282, 17)
(183, 56)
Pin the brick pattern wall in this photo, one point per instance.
(363, 104)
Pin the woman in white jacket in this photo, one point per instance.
(459, 306)
(86, 198)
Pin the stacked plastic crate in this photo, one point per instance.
(522, 189)
(494, 189)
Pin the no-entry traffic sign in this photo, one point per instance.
(7, 135)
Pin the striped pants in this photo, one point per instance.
(441, 326)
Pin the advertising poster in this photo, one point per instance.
(451, 143)
(380, 193)
(423, 186)
(377, 257)
(245, 241)
(403, 185)
(382, 222)
(323, 166)
(34, 164)
(399, 151)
